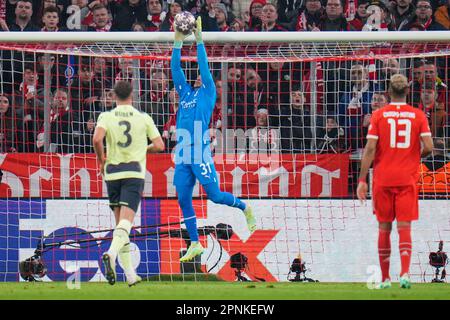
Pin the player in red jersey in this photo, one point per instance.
(398, 136)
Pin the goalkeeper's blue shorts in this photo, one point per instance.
(185, 174)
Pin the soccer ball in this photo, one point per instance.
(185, 22)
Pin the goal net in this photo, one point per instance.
(287, 134)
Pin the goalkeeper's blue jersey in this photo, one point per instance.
(195, 110)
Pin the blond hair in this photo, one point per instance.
(398, 86)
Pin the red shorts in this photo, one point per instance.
(396, 203)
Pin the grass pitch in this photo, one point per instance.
(213, 290)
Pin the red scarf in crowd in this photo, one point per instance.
(40, 139)
(106, 28)
(427, 24)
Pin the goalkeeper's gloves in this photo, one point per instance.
(198, 31)
(179, 38)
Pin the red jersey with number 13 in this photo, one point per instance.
(398, 128)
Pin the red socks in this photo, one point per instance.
(384, 252)
(405, 246)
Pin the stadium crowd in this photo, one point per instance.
(270, 100)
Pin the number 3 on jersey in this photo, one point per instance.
(126, 134)
(401, 129)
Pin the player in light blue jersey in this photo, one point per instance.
(193, 159)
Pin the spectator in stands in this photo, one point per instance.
(333, 19)
(221, 16)
(416, 80)
(23, 13)
(169, 129)
(101, 19)
(90, 115)
(234, 73)
(208, 15)
(127, 13)
(174, 8)
(430, 75)
(128, 71)
(255, 99)
(64, 137)
(389, 67)
(261, 138)
(424, 17)
(29, 104)
(155, 15)
(50, 19)
(254, 18)
(235, 97)
(125, 69)
(9, 132)
(288, 11)
(361, 15)
(103, 74)
(83, 90)
(155, 101)
(241, 9)
(379, 100)
(296, 130)
(379, 17)
(442, 15)
(269, 18)
(56, 70)
(353, 106)
(277, 80)
(433, 109)
(403, 13)
(307, 17)
(330, 138)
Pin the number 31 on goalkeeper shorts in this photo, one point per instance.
(206, 169)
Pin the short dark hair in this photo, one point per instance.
(50, 9)
(29, 66)
(98, 6)
(123, 90)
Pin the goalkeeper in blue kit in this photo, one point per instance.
(193, 159)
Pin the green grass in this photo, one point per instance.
(221, 291)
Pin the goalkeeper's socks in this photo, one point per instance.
(191, 226)
(125, 260)
(384, 252)
(120, 237)
(405, 246)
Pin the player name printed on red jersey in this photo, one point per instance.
(399, 114)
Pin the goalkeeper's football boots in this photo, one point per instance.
(405, 282)
(251, 221)
(195, 249)
(386, 284)
(110, 268)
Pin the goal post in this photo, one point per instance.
(287, 134)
